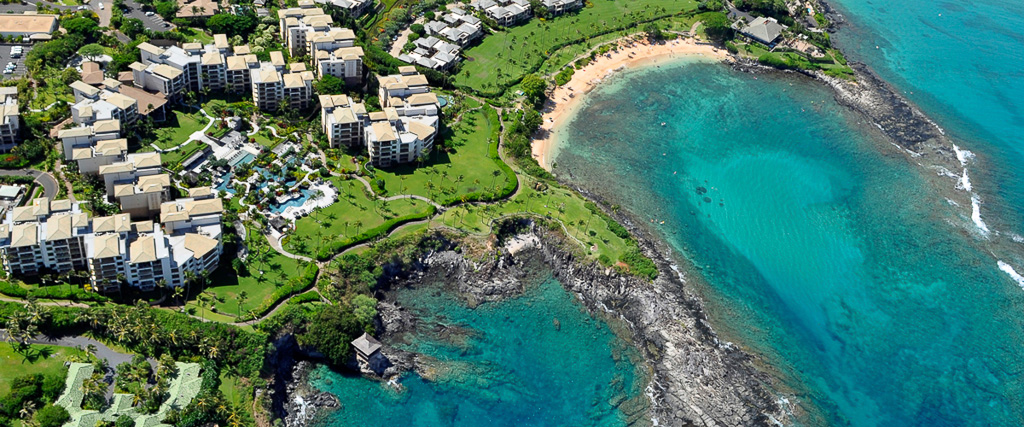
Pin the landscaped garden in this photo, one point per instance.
(178, 128)
(264, 272)
(353, 218)
(46, 360)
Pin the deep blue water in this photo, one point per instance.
(535, 360)
(819, 245)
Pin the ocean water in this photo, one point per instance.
(818, 244)
(961, 63)
(535, 360)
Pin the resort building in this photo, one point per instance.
(335, 54)
(203, 67)
(367, 349)
(58, 236)
(93, 146)
(239, 70)
(504, 12)
(456, 26)
(93, 104)
(137, 184)
(355, 8)
(297, 22)
(408, 92)
(434, 53)
(162, 78)
(343, 120)
(270, 87)
(558, 7)
(764, 30)
(10, 118)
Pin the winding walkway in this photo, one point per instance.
(195, 136)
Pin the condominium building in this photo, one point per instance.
(297, 22)
(409, 93)
(434, 53)
(93, 104)
(162, 78)
(239, 68)
(137, 184)
(93, 146)
(457, 26)
(58, 236)
(393, 139)
(343, 120)
(270, 88)
(203, 67)
(558, 7)
(335, 53)
(10, 118)
(355, 8)
(504, 12)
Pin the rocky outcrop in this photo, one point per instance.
(696, 380)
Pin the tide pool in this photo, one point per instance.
(535, 360)
(818, 244)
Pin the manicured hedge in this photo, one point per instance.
(326, 252)
(294, 286)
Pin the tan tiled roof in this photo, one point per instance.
(220, 41)
(124, 190)
(119, 223)
(277, 58)
(116, 168)
(212, 58)
(143, 249)
(199, 245)
(145, 160)
(422, 131)
(87, 89)
(106, 246)
(81, 153)
(293, 80)
(200, 192)
(383, 131)
(423, 99)
(203, 207)
(121, 101)
(24, 235)
(58, 205)
(242, 50)
(153, 183)
(102, 126)
(111, 147)
(80, 220)
(58, 227)
(167, 71)
(73, 132)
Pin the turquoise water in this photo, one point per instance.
(820, 246)
(536, 360)
(961, 62)
(298, 201)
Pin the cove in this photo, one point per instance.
(817, 244)
(537, 359)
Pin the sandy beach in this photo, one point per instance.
(560, 106)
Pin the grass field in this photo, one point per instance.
(178, 128)
(13, 365)
(446, 177)
(352, 214)
(505, 57)
(226, 286)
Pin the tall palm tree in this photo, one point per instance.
(242, 297)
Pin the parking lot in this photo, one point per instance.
(154, 22)
(5, 57)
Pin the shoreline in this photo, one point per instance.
(563, 102)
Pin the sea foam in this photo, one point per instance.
(1008, 269)
(976, 215)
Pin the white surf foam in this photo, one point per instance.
(976, 215)
(1008, 269)
(1017, 237)
(962, 155)
(965, 182)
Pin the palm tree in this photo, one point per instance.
(358, 224)
(179, 291)
(242, 297)
(494, 177)
(189, 278)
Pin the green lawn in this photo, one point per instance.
(178, 128)
(226, 286)
(446, 177)
(173, 158)
(352, 214)
(505, 57)
(49, 361)
(53, 91)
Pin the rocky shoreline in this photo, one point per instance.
(696, 379)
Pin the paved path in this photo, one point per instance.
(44, 179)
(198, 135)
(102, 351)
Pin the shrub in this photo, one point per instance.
(51, 416)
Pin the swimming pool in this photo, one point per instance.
(298, 201)
(247, 158)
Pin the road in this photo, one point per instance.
(44, 179)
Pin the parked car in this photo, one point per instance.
(150, 13)
(82, 7)
(101, 5)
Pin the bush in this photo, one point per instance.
(639, 264)
(303, 298)
(51, 416)
(293, 286)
